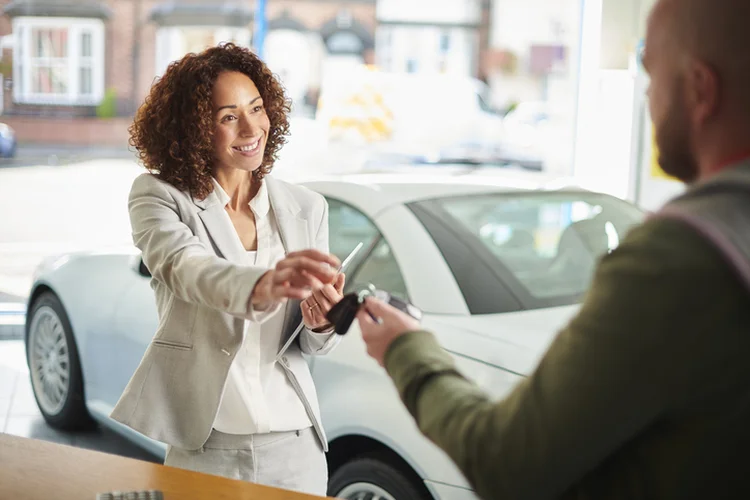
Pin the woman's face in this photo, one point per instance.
(240, 122)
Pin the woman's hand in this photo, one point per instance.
(322, 300)
(295, 277)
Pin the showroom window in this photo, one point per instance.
(58, 61)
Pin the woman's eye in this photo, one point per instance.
(228, 118)
(257, 108)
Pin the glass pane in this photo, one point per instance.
(20, 42)
(86, 44)
(381, 269)
(550, 243)
(19, 78)
(347, 227)
(49, 80)
(85, 84)
(50, 42)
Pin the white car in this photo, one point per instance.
(496, 269)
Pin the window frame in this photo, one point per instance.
(24, 62)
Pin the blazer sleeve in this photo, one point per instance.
(320, 343)
(177, 258)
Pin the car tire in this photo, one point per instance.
(369, 478)
(54, 365)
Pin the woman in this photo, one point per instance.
(227, 247)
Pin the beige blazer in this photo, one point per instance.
(202, 291)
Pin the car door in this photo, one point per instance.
(374, 265)
(135, 323)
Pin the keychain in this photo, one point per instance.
(342, 315)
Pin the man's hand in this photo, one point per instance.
(391, 324)
(294, 277)
(322, 300)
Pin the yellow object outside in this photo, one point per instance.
(366, 113)
(656, 170)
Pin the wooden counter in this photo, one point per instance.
(39, 470)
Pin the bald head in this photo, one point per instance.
(714, 32)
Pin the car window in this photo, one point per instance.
(543, 246)
(375, 264)
(347, 226)
(381, 269)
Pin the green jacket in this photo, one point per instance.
(644, 395)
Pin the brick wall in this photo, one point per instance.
(79, 131)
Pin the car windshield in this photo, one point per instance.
(547, 244)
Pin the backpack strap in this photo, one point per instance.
(716, 234)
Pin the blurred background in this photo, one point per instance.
(553, 86)
(549, 88)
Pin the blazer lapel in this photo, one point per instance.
(291, 221)
(221, 230)
(295, 235)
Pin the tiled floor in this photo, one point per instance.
(20, 416)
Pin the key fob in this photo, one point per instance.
(342, 315)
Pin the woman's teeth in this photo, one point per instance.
(248, 148)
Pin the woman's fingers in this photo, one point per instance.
(330, 294)
(322, 300)
(318, 264)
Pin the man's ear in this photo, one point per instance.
(703, 90)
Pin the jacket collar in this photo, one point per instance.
(277, 198)
(292, 223)
(260, 204)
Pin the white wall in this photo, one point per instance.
(613, 134)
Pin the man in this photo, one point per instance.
(646, 393)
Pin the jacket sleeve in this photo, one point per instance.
(319, 343)
(627, 359)
(177, 258)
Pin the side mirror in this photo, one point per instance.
(142, 269)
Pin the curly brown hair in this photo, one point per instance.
(173, 130)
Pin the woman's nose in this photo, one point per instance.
(247, 127)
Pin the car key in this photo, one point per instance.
(342, 314)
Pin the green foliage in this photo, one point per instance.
(108, 107)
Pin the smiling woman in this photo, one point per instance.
(226, 246)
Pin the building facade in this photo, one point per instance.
(74, 72)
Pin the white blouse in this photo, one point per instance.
(258, 397)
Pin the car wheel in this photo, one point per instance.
(54, 366)
(368, 478)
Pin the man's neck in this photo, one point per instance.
(726, 149)
(721, 162)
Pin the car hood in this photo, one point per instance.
(511, 341)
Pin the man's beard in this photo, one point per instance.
(674, 140)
